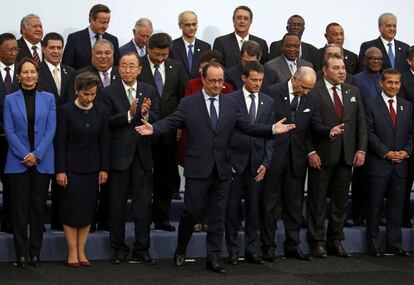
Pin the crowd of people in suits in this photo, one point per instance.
(99, 124)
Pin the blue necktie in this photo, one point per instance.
(252, 110)
(141, 51)
(213, 113)
(158, 80)
(190, 56)
(391, 55)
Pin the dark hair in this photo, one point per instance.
(242, 7)
(410, 52)
(327, 57)
(6, 37)
(160, 40)
(333, 24)
(133, 53)
(296, 16)
(51, 36)
(287, 35)
(208, 65)
(98, 8)
(252, 66)
(212, 56)
(86, 80)
(252, 48)
(391, 71)
(25, 60)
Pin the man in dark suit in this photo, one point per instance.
(102, 65)
(285, 179)
(295, 25)
(79, 45)
(368, 82)
(142, 32)
(128, 101)
(187, 49)
(334, 34)
(168, 76)
(330, 161)
(209, 119)
(393, 51)
(58, 79)
(230, 45)
(407, 92)
(390, 143)
(282, 68)
(8, 84)
(250, 159)
(30, 42)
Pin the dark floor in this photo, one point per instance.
(361, 269)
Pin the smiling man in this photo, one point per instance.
(32, 33)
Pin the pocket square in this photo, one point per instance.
(306, 110)
(353, 99)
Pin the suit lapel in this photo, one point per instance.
(201, 105)
(49, 77)
(182, 52)
(242, 102)
(326, 97)
(21, 105)
(386, 60)
(64, 79)
(236, 48)
(384, 109)
(285, 99)
(346, 101)
(285, 68)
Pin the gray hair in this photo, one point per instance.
(25, 21)
(385, 16)
(143, 22)
(304, 71)
(181, 15)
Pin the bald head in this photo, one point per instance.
(303, 80)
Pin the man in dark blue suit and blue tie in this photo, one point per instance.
(142, 32)
(209, 119)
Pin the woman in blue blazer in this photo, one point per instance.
(29, 124)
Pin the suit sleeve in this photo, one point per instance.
(361, 127)
(267, 159)
(409, 146)
(375, 143)
(69, 52)
(104, 142)
(170, 123)
(61, 140)
(116, 120)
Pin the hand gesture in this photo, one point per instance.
(337, 130)
(145, 129)
(314, 161)
(146, 106)
(133, 108)
(280, 128)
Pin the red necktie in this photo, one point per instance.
(392, 112)
(338, 104)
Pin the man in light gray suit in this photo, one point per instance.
(281, 68)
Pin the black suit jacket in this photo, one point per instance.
(233, 76)
(229, 48)
(114, 77)
(353, 138)
(350, 59)
(291, 147)
(125, 143)
(24, 51)
(309, 52)
(47, 83)
(407, 86)
(78, 50)
(400, 54)
(179, 53)
(208, 147)
(248, 152)
(384, 137)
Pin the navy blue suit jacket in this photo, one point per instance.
(78, 50)
(179, 52)
(124, 140)
(229, 48)
(208, 147)
(233, 76)
(246, 151)
(293, 145)
(400, 54)
(368, 84)
(128, 47)
(384, 137)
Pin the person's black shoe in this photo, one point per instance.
(338, 250)
(375, 253)
(179, 259)
(319, 251)
(56, 226)
(6, 228)
(214, 266)
(383, 223)
(21, 262)
(233, 259)
(397, 251)
(142, 258)
(359, 222)
(35, 261)
(253, 258)
(165, 227)
(92, 229)
(297, 254)
(176, 196)
(269, 255)
(119, 258)
(348, 224)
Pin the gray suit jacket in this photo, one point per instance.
(277, 70)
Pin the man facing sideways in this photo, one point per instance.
(142, 32)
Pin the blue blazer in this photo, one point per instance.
(368, 84)
(15, 127)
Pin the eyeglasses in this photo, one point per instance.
(215, 81)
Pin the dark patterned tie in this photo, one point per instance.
(213, 113)
(252, 110)
(36, 57)
(392, 112)
(293, 107)
(190, 56)
(7, 80)
(158, 80)
(338, 104)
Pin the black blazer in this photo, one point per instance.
(229, 47)
(350, 59)
(79, 149)
(124, 140)
(78, 50)
(291, 147)
(309, 52)
(47, 83)
(248, 152)
(179, 53)
(233, 76)
(400, 54)
(384, 137)
(24, 51)
(407, 86)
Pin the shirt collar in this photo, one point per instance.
(52, 66)
(246, 38)
(386, 98)
(2, 66)
(187, 43)
(126, 87)
(92, 33)
(207, 97)
(290, 87)
(385, 42)
(29, 44)
(329, 85)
